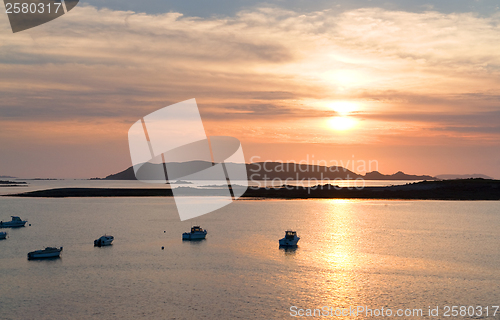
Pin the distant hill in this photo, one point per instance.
(7, 177)
(462, 176)
(266, 171)
(375, 175)
(127, 174)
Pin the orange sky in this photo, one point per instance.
(418, 92)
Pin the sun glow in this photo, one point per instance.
(344, 107)
(341, 123)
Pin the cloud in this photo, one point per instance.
(203, 8)
(262, 65)
(471, 129)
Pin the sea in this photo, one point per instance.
(356, 259)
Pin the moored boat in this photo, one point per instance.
(290, 239)
(3, 235)
(105, 240)
(16, 222)
(49, 252)
(197, 233)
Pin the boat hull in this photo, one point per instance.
(45, 254)
(10, 224)
(194, 236)
(289, 242)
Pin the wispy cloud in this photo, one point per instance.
(101, 56)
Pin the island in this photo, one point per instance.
(269, 171)
(464, 189)
(8, 183)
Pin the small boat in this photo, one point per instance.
(103, 241)
(49, 252)
(16, 222)
(197, 233)
(3, 235)
(290, 239)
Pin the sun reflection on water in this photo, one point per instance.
(337, 257)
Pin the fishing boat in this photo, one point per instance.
(290, 239)
(3, 235)
(49, 252)
(16, 222)
(197, 233)
(105, 240)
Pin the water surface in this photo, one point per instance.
(396, 254)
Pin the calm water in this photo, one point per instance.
(396, 254)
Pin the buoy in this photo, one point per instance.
(30, 224)
(162, 248)
(164, 231)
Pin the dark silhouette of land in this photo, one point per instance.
(11, 182)
(95, 192)
(7, 183)
(267, 171)
(462, 176)
(465, 189)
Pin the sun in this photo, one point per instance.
(343, 108)
(341, 123)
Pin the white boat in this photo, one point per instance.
(197, 233)
(290, 239)
(16, 222)
(105, 240)
(3, 235)
(49, 252)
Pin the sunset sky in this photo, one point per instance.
(414, 86)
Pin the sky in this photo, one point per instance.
(413, 86)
